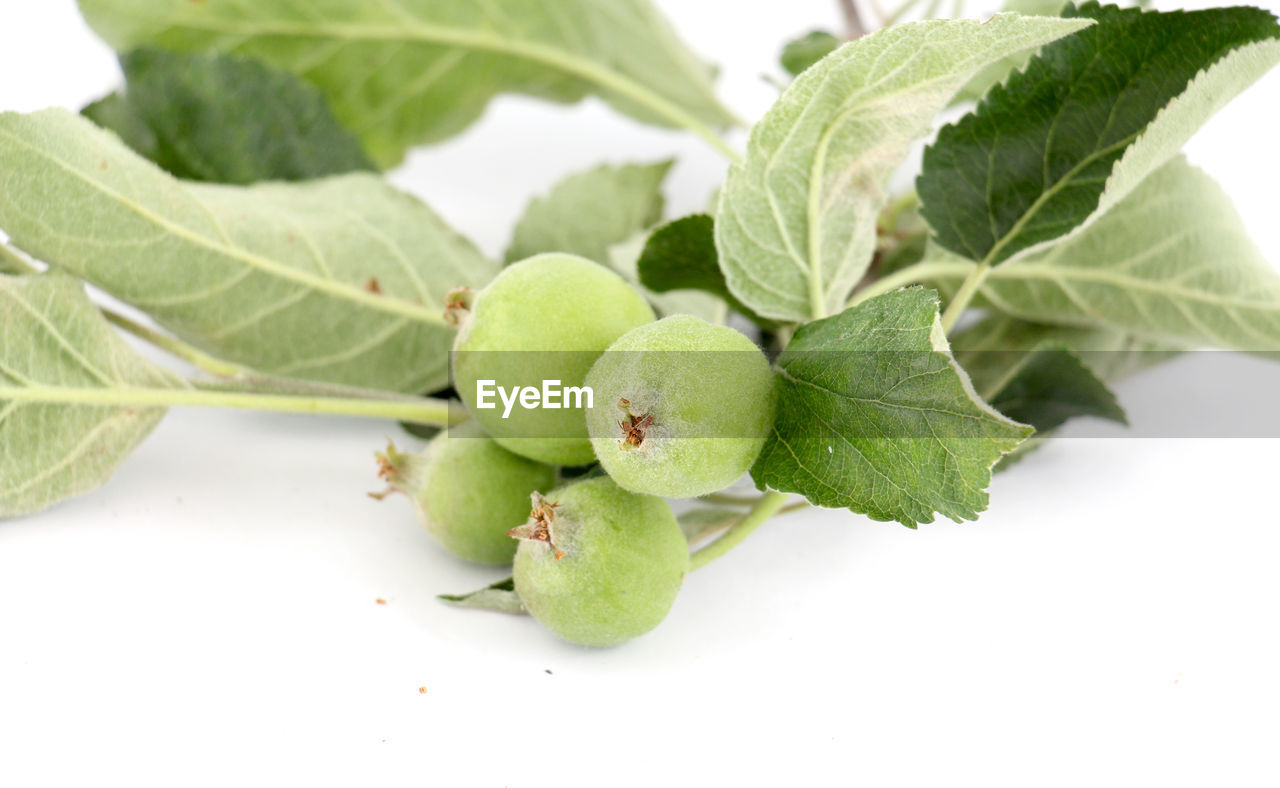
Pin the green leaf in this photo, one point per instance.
(1172, 263)
(624, 257)
(1110, 354)
(796, 221)
(116, 113)
(681, 256)
(1106, 355)
(55, 339)
(1044, 387)
(226, 119)
(588, 212)
(401, 74)
(500, 597)
(1085, 123)
(802, 52)
(875, 415)
(340, 280)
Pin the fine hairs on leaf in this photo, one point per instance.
(340, 280)
(55, 338)
(226, 119)
(1090, 117)
(796, 221)
(400, 74)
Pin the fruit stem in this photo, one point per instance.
(769, 504)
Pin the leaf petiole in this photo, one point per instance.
(175, 347)
(769, 504)
(968, 289)
(913, 274)
(411, 409)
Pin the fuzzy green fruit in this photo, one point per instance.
(468, 491)
(599, 565)
(550, 302)
(683, 407)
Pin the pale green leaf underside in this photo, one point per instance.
(404, 72)
(54, 338)
(997, 72)
(588, 212)
(340, 280)
(795, 225)
(1172, 262)
(1165, 137)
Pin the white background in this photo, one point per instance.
(209, 616)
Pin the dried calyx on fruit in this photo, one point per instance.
(695, 400)
(599, 565)
(467, 490)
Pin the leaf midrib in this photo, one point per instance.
(438, 34)
(1050, 193)
(868, 96)
(266, 265)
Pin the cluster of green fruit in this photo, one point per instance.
(601, 559)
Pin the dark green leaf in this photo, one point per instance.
(802, 52)
(227, 119)
(114, 112)
(1033, 161)
(681, 255)
(875, 415)
(1044, 387)
(1105, 354)
(500, 597)
(1111, 354)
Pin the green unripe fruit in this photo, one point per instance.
(694, 404)
(599, 565)
(546, 318)
(468, 491)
